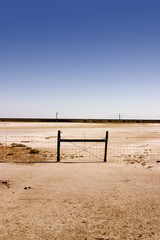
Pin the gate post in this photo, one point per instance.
(58, 145)
(105, 151)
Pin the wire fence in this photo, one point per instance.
(134, 149)
(41, 146)
(28, 146)
(82, 151)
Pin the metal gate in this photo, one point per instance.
(80, 147)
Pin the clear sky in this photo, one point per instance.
(81, 58)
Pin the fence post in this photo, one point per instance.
(106, 142)
(58, 145)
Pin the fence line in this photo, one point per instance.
(129, 147)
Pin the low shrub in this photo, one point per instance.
(34, 151)
(18, 145)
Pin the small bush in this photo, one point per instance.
(9, 154)
(34, 151)
(44, 155)
(18, 145)
(50, 137)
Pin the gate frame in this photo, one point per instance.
(59, 140)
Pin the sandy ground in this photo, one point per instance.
(103, 201)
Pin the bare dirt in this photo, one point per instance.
(84, 201)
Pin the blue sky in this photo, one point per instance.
(81, 58)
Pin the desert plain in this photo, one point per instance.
(81, 197)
